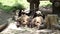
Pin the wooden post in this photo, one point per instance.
(51, 19)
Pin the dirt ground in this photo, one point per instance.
(12, 29)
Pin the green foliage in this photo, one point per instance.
(45, 3)
(9, 5)
(18, 6)
(9, 8)
(49, 5)
(6, 8)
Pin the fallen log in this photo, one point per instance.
(3, 26)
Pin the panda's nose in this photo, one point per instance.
(23, 21)
(37, 22)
